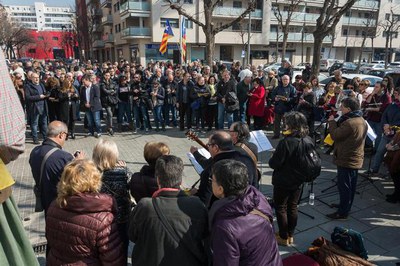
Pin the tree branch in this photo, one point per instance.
(181, 11)
(249, 9)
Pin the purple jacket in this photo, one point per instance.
(241, 238)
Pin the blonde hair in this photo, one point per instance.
(79, 176)
(105, 154)
(153, 150)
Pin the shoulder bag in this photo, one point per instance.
(37, 189)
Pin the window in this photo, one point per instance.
(387, 16)
(396, 17)
(236, 26)
(172, 21)
(344, 32)
(32, 51)
(237, 4)
(220, 3)
(55, 38)
(357, 32)
(188, 24)
(188, 1)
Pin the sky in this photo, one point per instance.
(48, 2)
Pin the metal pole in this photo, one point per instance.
(347, 38)
(248, 40)
(302, 44)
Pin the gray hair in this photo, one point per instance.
(55, 128)
(168, 171)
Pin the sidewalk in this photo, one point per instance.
(371, 215)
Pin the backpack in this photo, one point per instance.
(349, 240)
(232, 102)
(308, 160)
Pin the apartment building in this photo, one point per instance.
(132, 30)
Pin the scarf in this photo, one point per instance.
(349, 115)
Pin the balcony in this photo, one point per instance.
(136, 32)
(296, 37)
(298, 17)
(97, 28)
(234, 12)
(135, 9)
(106, 3)
(109, 38)
(366, 4)
(107, 20)
(363, 22)
(98, 44)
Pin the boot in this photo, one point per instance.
(163, 127)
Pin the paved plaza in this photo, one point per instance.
(378, 220)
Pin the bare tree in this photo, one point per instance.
(331, 13)
(244, 36)
(369, 30)
(284, 18)
(44, 44)
(390, 28)
(208, 26)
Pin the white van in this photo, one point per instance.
(325, 64)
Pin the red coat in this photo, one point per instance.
(257, 102)
(84, 232)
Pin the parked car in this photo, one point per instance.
(346, 67)
(380, 72)
(274, 66)
(395, 75)
(325, 64)
(367, 67)
(372, 79)
(320, 76)
(300, 66)
(378, 62)
(394, 64)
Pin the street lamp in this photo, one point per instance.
(347, 36)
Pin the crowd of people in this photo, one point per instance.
(224, 219)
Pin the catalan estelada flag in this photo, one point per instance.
(167, 34)
(183, 39)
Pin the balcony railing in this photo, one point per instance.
(108, 38)
(296, 37)
(135, 6)
(358, 21)
(98, 44)
(232, 11)
(107, 19)
(298, 17)
(136, 32)
(106, 3)
(366, 4)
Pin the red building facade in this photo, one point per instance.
(50, 45)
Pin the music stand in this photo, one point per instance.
(300, 199)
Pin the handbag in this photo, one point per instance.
(37, 189)
(171, 232)
(349, 240)
(195, 105)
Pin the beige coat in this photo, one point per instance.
(349, 140)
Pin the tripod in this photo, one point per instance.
(300, 199)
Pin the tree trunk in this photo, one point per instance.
(360, 55)
(386, 50)
(316, 53)
(373, 50)
(210, 45)
(284, 43)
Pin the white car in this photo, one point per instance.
(274, 66)
(367, 67)
(300, 66)
(295, 73)
(372, 80)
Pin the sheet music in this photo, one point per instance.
(258, 137)
(371, 133)
(199, 169)
(204, 152)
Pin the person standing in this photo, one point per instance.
(243, 89)
(256, 103)
(349, 134)
(36, 107)
(240, 220)
(91, 103)
(225, 88)
(284, 97)
(15, 247)
(109, 100)
(170, 227)
(184, 101)
(157, 94)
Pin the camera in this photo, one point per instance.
(76, 153)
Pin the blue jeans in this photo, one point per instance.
(242, 112)
(377, 127)
(167, 108)
(93, 119)
(38, 121)
(221, 116)
(158, 116)
(347, 183)
(141, 111)
(124, 108)
(380, 153)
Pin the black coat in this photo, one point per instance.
(189, 87)
(154, 245)
(95, 102)
(205, 189)
(143, 183)
(284, 175)
(108, 90)
(52, 171)
(64, 106)
(35, 105)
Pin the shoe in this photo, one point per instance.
(392, 199)
(97, 135)
(146, 130)
(336, 216)
(72, 135)
(281, 241)
(36, 142)
(111, 131)
(291, 240)
(89, 134)
(157, 129)
(369, 173)
(334, 205)
(275, 137)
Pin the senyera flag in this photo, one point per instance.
(183, 39)
(166, 35)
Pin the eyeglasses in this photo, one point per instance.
(66, 133)
(210, 144)
(362, 84)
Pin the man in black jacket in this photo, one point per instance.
(183, 102)
(54, 166)
(221, 147)
(225, 87)
(91, 103)
(169, 228)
